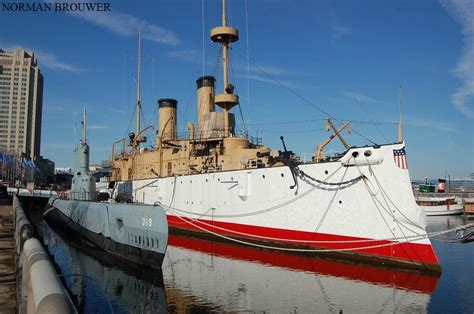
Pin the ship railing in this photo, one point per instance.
(217, 133)
(121, 148)
(80, 196)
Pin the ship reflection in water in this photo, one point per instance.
(207, 276)
(236, 278)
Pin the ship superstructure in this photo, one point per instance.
(217, 183)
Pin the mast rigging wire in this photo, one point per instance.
(248, 60)
(308, 102)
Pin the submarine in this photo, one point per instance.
(135, 232)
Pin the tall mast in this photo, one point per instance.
(139, 105)
(225, 48)
(84, 128)
(225, 35)
(400, 135)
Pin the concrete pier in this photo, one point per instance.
(8, 302)
(28, 280)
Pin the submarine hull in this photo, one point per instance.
(138, 233)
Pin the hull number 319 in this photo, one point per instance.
(147, 222)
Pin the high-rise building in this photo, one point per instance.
(21, 102)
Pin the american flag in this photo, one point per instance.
(400, 157)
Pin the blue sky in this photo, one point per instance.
(347, 58)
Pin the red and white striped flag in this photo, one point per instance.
(400, 157)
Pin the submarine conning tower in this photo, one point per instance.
(83, 183)
(167, 119)
(225, 35)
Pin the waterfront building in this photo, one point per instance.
(21, 102)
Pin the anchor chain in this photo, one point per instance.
(330, 183)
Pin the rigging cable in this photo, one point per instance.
(248, 60)
(428, 235)
(238, 104)
(202, 35)
(308, 102)
(272, 208)
(370, 119)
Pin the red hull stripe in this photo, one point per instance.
(414, 252)
(385, 277)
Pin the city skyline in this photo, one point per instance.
(305, 59)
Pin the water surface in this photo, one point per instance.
(207, 276)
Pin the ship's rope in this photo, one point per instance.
(202, 35)
(251, 235)
(388, 210)
(218, 62)
(262, 211)
(272, 208)
(406, 238)
(137, 189)
(415, 238)
(307, 101)
(247, 59)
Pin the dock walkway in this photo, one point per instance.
(7, 259)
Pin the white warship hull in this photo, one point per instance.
(359, 206)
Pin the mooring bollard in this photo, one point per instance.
(45, 292)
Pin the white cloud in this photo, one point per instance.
(362, 98)
(191, 55)
(463, 98)
(269, 80)
(338, 30)
(97, 127)
(432, 124)
(127, 25)
(51, 61)
(45, 59)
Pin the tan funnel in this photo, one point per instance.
(205, 99)
(167, 119)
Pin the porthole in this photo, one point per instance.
(263, 176)
(218, 179)
(367, 153)
(355, 154)
(282, 175)
(326, 172)
(340, 202)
